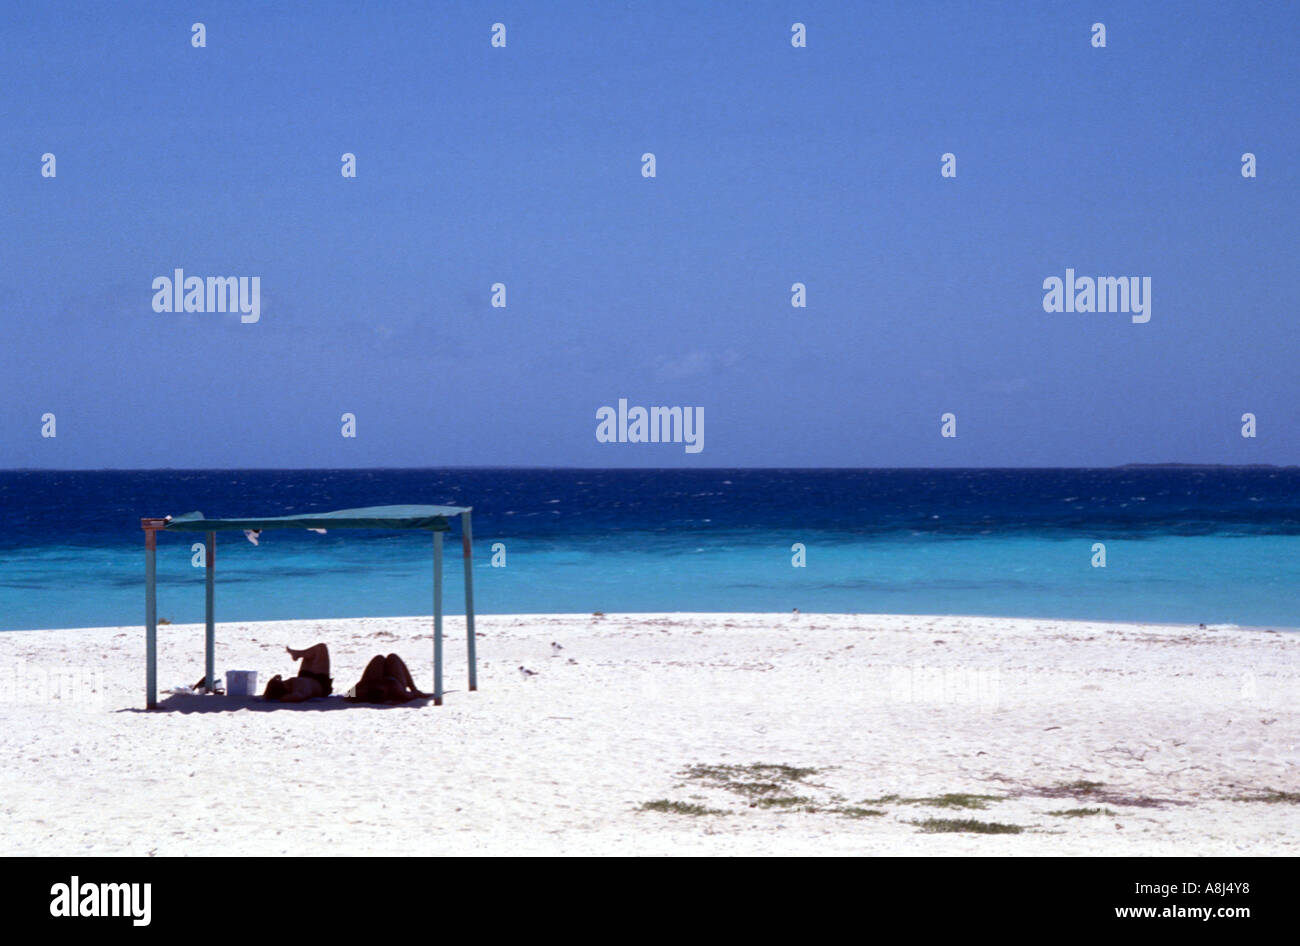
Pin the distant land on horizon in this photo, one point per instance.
(1198, 466)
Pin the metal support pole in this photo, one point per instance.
(467, 544)
(437, 619)
(150, 527)
(210, 559)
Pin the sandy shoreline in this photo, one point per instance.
(1172, 725)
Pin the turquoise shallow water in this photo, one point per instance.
(963, 542)
(1249, 581)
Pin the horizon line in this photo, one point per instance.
(1172, 464)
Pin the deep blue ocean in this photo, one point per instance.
(1212, 545)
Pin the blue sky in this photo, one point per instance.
(775, 165)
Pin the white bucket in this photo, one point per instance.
(241, 682)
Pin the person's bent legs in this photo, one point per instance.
(315, 659)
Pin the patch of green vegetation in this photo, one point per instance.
(752, 789)
(1080, 812)
(958, 800)
(791, 772)
(757, 782)
(680, 808)
(730, 773)
(1081, 787)
(787, 801)
(852, 811)
(1272, 797)
(968, 825)
(948, 800)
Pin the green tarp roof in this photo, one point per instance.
(433, 518)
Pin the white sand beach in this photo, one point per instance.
(1178, 734)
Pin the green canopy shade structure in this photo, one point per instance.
(433, 519)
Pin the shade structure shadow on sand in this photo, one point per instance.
(200, 703)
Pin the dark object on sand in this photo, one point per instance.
(313, 679)
(386, 680)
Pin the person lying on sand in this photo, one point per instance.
(313, 677)
(386, 680)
